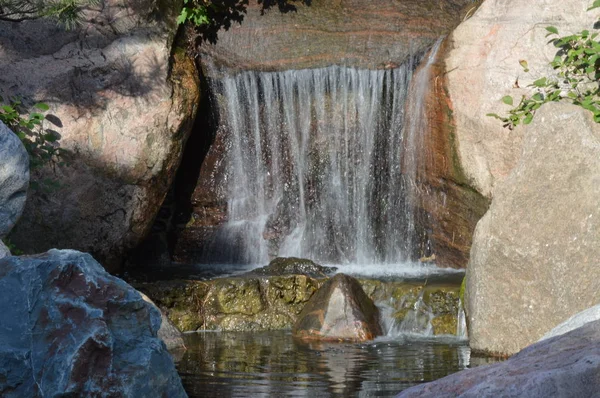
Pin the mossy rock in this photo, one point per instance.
(442, 300)
(444, 324)
(239, 296)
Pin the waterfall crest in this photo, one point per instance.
(316, 165)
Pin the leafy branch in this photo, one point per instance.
(577, 66)
(40, 143)
(209, 16)
(66, 13)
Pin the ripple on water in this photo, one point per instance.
(236, 364)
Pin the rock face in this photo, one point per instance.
(123, 108)
(14, 179)
(564, 366)
(69, 328)
(339, 310)
(342, 32)
(482, 66)
(534, 261)
(449, 206)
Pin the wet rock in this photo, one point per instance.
(563, 366)
(67, 327)
(168, 333)
(534, 257)
(294, 266)
(235, 304)
(448, 205)
(123, 107)
(14, 179)
(253, 303)
(339, 310)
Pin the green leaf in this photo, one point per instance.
(542, 82)
(552, 30)
(41, 106)
(596, 4)
(528, 118)
(507, 99)
(524, 65)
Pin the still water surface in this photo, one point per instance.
(243, 364)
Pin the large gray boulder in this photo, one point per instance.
(564, 366)
(535, 259)
(123, 107)
(482, 66)
(67, 327)
(14, 179)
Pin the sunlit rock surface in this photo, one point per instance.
(68, 327)
(482, 66)
(14, 179)
(563, 366)
(534, 261)
(122, 108)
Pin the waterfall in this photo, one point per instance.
(319, 164)
(461, 324)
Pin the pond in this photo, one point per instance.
(245, 364)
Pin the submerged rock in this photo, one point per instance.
(563, 366)
(67, 327)
(14, 179)
(339, 310)
(294, 265)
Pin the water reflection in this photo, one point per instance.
(233, 364)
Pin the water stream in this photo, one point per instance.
(320, 164)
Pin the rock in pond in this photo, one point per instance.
(68, 328)
(339, 310)
(294, 266)
(563, 366)
(14, 179)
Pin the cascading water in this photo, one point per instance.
(319, 165)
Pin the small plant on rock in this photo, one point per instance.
(577, 66)
(40, 142)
